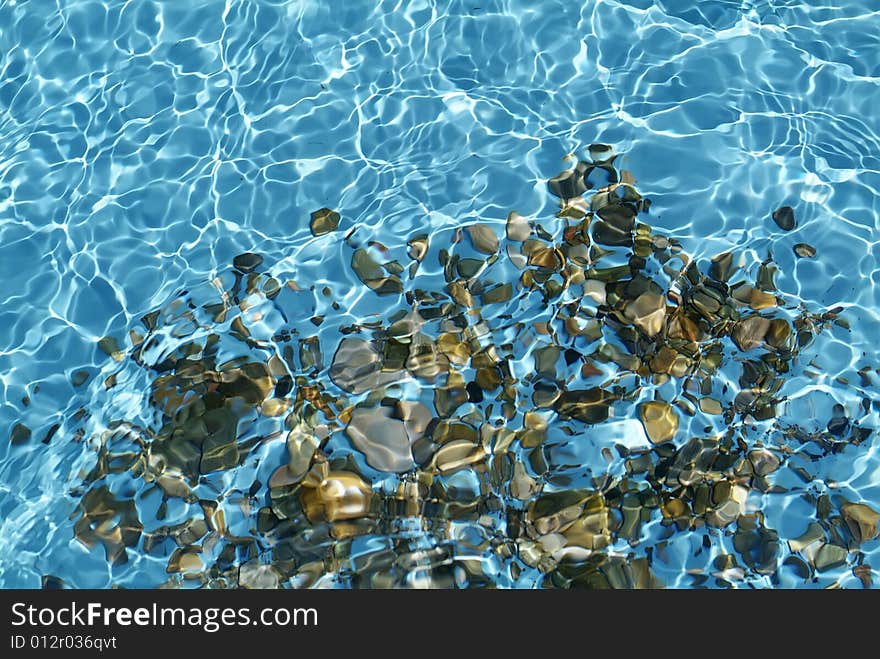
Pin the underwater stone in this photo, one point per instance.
(619, 216)
(722, 266)
(112, 522)
(284, 386)
(762, 300)
(863, 573)
(186, 560)
(763, 462)
(373, 275)
(804, 251)
(862, 521)
(247, 262)
(518, 228)
(251, 382)
(258, 576)
(110, 347)
(600, 152)
(517, 259)
(454, 348)
(274, 406)
(340, 495)
(587, 405)
(446, 431)
(457, 454)
(474, 393)
(545, 257)
(522, 486)
(605, 233)
(426, 360)
(595, 290)
(839, 423)
(418, 247)
(567, 185)
(51, 582)
(659, 419)
(500, 293)
(813, 534)
(711, 406)
(779, 333)
(302, 442)
(750, 332)
(784, 218)
(468, 268)
(383, 440)
(190, 532)
(483, 238)
(20, 434)
(758, 546)
(324, 221)
(647, 312)
(358, 367)
(829, 557)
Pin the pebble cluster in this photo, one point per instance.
(439, 447)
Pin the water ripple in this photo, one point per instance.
(144, 145)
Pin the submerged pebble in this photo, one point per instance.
(384, 440)
(862, 521)
(517, 228)
(247, 262)
(324, 221)
(805, 251)
(337, 496)
(20, 434)
(784, 218)
(659, 419)
(483, 238)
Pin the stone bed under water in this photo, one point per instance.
(580, 404)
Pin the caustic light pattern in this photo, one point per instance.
(299, 296)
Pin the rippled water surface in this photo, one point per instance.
(439, 294)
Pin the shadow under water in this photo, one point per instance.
(549, 410)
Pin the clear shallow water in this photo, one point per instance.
(144, 145)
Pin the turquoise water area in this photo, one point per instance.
(267, 320)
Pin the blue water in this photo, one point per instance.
(144, 145)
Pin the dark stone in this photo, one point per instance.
(150, 320)
(475, 394)
(20, 434)
(284, 386)
(567, 185)
(784, 218)
(839, 422)
(571, 356)
(838, 426)
(50, 582)
(620, 216)
(51, 433)
(722, 267)
(587, 405)
(600, 152)
(266, 520)
(608, 234)
(109, 346)
(247, 262)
